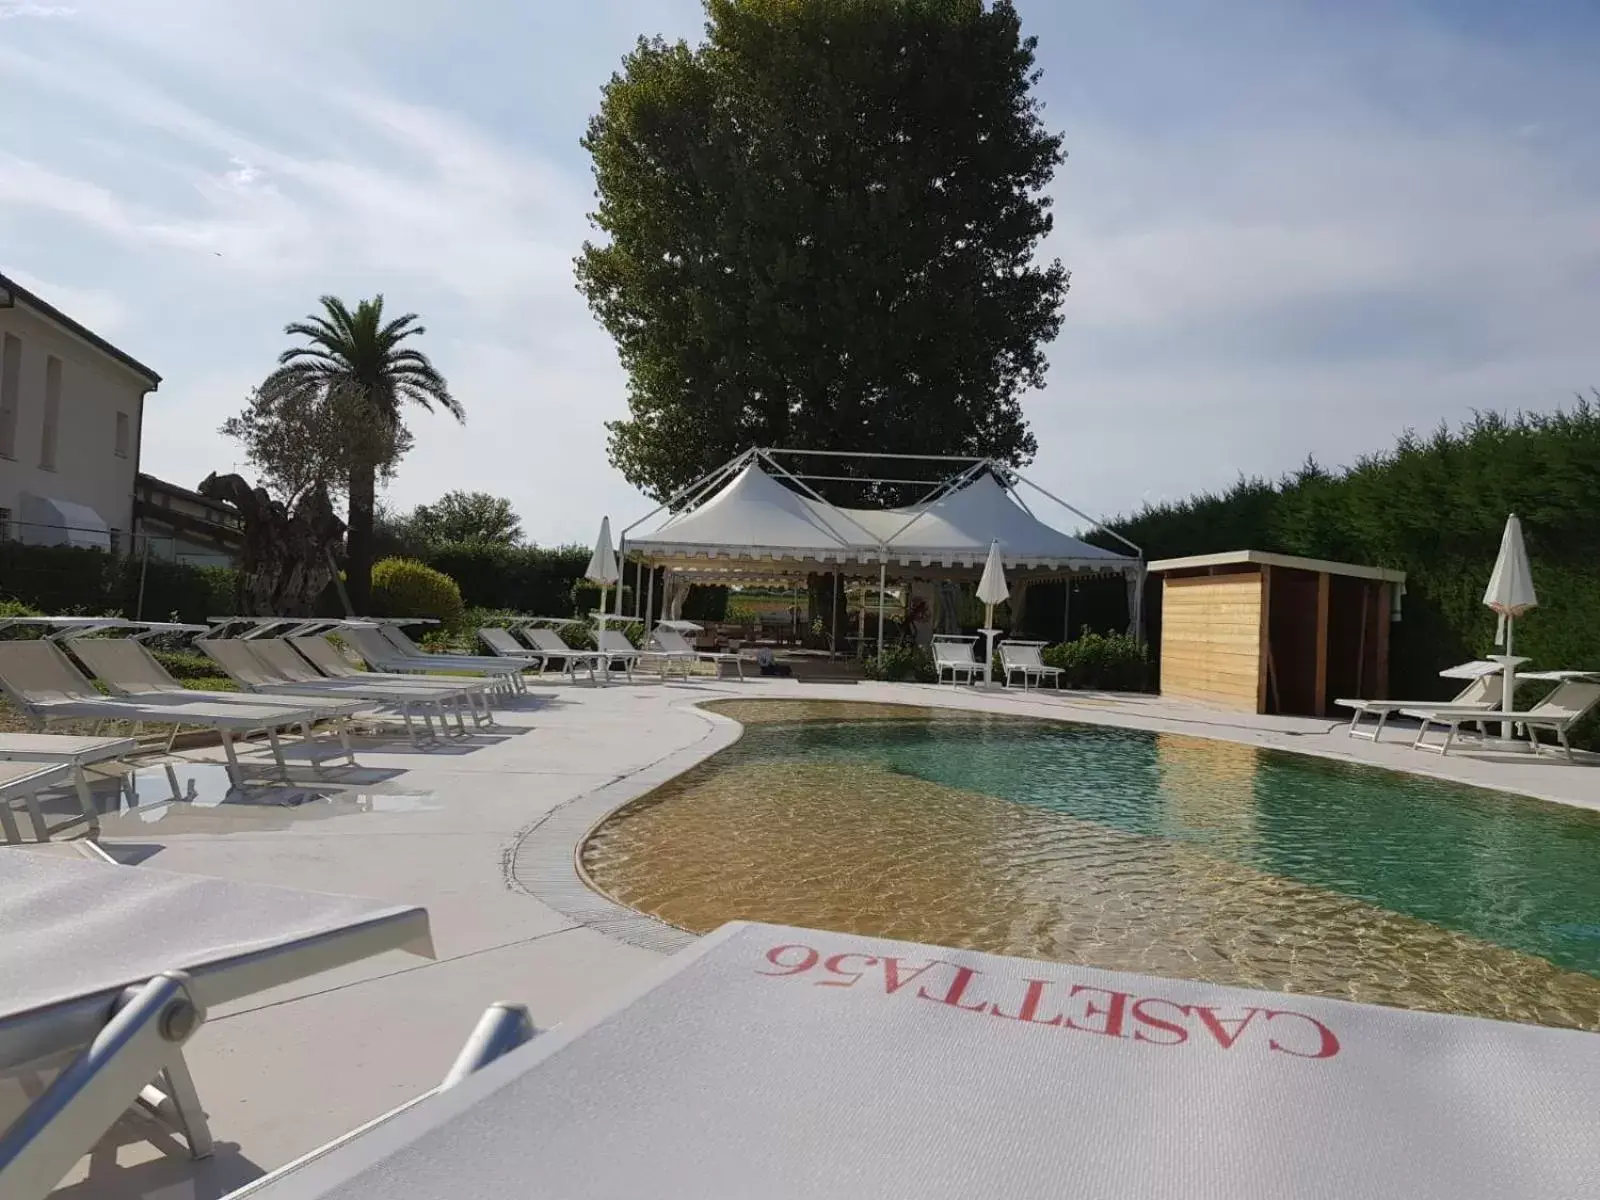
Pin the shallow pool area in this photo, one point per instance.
(1124, 849)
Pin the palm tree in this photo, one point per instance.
(359, 357)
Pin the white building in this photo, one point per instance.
(71, 409)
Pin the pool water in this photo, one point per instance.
(1125, 849)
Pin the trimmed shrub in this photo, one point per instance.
(1107, 662)
(404, 587)
(901, 664)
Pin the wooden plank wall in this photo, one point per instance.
(1211, 639)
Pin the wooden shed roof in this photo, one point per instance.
(1234, 558)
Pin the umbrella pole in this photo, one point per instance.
(988, 645)
(1508, 701)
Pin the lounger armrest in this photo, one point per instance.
(1466, 711)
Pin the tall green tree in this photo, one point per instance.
(332, 414)
(820, 231)
(467, 517)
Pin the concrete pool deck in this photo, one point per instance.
(482, 834)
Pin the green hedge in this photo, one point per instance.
(62, 579)
(1434, 507)
(525, 579)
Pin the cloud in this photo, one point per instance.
(1288, 232)
(17, 9)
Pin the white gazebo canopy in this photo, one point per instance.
(747, 519)
(755, 521)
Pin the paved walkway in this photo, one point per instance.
(477, 833)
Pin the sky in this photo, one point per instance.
(1294, 228)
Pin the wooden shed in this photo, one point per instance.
(1270, 633)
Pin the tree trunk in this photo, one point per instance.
(358, 539)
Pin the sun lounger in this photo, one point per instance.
(114, 968)
(502, 645)
(24, 781)
(457, 692)
(40, 680)
(381, 654)
(78, 753)
(271, 666)
(617, 648)
(550, 643)
(671, 641)
(501, 668)
(1026, 659)
(1570, 701)
(129, 669)
(323, 656)
(784, 1063)
(1484, 689)
(957, 656)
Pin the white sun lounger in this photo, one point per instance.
(381, 654)
(1564, 707)
(502, 645)
(39, 679)
(322, 655)
(957, 655)
(1025, 659)
(392, 633)
(1485, 685)
(129, 669)
(670, 640)
(78, 753)
(550, 643)
(113, 968)
(457, 692)
(617, 648)
(785, 1063)
(24, 781)
(271, 666)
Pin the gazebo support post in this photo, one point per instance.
(861, 626)
(883, 580)
(650, 602)
(833, 623)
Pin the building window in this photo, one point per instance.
(10, 386)
(123, 429)
(5, 524)
(52, 413)
(116, 541)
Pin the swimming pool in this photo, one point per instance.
(1125, 849)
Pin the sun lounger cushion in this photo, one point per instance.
(74, 934)
(784, 1064)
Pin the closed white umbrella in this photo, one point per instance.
(603, 563)
(992, 590)
(1510, 593)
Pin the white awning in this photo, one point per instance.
(48, 522)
